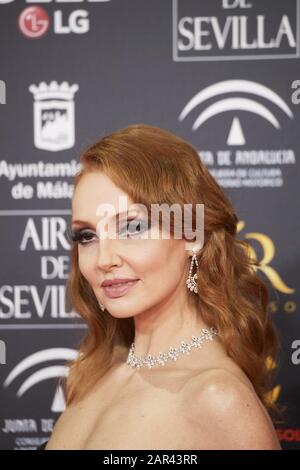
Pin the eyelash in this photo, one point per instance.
(77, 235)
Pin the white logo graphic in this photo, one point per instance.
(53, 354)
(235, 136)
(34, 22)
(235, 30)
(54, 123)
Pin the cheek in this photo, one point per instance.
(158, 262)
(149, 257)
(86, 263)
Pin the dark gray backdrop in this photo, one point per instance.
(138, 61)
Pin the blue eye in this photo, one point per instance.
(82, 236)
(131, 228)
(136, 227)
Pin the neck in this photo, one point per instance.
(167, 326)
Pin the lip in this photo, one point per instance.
(109, 282)
(112, 291)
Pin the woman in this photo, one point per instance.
(216, 394)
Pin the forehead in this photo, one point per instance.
(93, 190)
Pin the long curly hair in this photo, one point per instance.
(152, 165)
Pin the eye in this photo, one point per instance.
(83, 237)
(134, 227)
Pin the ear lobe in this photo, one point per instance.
(194, 249)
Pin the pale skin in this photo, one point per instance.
(201, 401)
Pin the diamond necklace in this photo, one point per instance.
(173, 353)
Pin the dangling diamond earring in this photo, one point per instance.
(191, 281)
(101, 306)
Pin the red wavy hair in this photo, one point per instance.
(153, 165)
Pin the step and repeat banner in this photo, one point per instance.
(224, 75)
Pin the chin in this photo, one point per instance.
(119, 312)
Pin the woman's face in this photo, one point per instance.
(160, 265)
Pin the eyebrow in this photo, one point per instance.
(85, 223)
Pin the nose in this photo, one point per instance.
(106, 255)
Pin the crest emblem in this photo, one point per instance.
(54, 115)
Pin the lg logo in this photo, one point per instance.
(34, 22)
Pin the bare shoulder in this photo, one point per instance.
(226, 412)
(59, 433)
